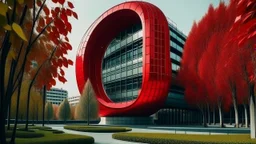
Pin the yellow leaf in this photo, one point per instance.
(20, 1)
(19, 31)
(7, 27)
(3, 8)
(13, 55)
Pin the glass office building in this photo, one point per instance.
(56, 96)
(122, 73)
(122, 64)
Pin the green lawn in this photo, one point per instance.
(164, 138)
(98, 129)
(40, 135)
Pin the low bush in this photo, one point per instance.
(58, 132)
(50, 138)
(54, 131)
(164, 138)
(23, 129)
(98, 129)
(24, 134)
(39, 127)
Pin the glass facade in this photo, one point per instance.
(122, 63)
(56, 96)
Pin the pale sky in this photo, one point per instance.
(182, 12)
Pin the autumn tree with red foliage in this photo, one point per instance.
(196, 44)
(207, 66)
(245, 29)
(32, 34)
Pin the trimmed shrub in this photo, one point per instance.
(98, 129)
(164, 138)
(24, 134)
(50, 138)
(54, 131)
(58, 132)
(40, 127)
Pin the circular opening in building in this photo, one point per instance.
(122, 65)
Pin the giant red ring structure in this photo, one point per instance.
(156, 57)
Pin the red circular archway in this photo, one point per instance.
(156, 57)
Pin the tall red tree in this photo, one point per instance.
(193, 50)
(245, 26)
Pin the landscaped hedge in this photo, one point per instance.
(24, 134)
(99, 129)
(164, 138)
(22, 127)
(50, 138)
(53, 131)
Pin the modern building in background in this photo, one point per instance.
(74, 100)
(56, 96)
(138, 56)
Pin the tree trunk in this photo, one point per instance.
(209, 114)
(2, 129)
(36, 114)
(220, 115)
(5, 49)
(230, 117)
(17, 112)
(88, 108)
(252, 112)
(27, 108)
(246, 116)
(204, 118)
(236, 116)
(213, 117)
(9, 116)
(235, 108)
(44, 96)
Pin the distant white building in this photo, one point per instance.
(56, 96)
(74, 100)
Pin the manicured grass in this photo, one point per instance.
(24, 134)
(54, 131)
(22, 127)
(98, 129)
(50, 138)
(164, 138)
(46, 135)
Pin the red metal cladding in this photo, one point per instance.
(156, 57)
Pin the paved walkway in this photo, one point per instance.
(106, 138)
(100, 138)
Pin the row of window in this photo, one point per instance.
(178, 31)
(57, 90)
(56, 96)
(125, 96)
(58, 93)
(124, 42)
(175, 67)
(175, 56)
(123, 88)
(123, 67)
(177, 37)
(136, 71)
(126, 33)
(56, 103)
(122, 58)
(174, 45)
